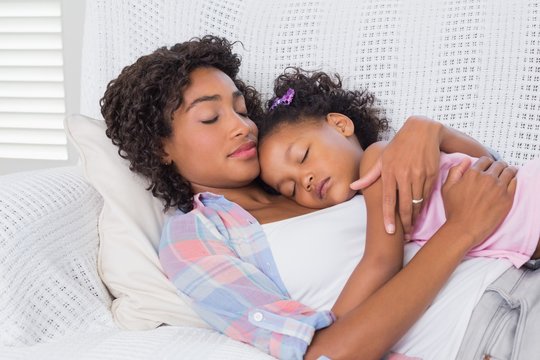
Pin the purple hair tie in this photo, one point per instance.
(284, 100)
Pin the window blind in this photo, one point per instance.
(32, 105)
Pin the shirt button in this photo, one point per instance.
(258, 316)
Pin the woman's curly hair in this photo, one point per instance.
(316, 95)
(138, 108)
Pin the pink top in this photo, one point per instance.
(515, 239)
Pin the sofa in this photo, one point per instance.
(80, 277)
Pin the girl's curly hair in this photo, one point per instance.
(316, 95)
(138, 108)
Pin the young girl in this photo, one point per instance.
(317, 137)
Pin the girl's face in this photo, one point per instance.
(214, 143)
(312, 162)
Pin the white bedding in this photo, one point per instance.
(166, 342)
(438, 334)
(336, 239)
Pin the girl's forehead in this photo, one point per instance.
(300, 124)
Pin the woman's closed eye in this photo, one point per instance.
(211, 121)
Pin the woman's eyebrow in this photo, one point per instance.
(235, 95)
(203, 99)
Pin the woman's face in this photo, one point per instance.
(213, 143)
(312, 162)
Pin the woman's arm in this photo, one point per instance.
(232, 295)
(383, 255)
(476, 201)
(410, 165)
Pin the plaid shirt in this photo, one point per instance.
(219, 257)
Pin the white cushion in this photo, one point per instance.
(129, 229)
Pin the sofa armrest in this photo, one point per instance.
(49, 285)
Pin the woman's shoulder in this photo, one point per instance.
(203, 203)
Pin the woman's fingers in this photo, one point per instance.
(389, 203)
(372, 175)
(478, 199)
(483, 163)
(405, 205)
(508, 174)
(497, 168)
(410, 201)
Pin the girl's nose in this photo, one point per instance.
(308, 182)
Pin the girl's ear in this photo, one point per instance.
(341, 123)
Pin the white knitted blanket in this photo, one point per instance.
(471, 64)
(51, 295)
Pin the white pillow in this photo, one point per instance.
(129, 230)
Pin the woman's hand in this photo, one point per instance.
(408, 165)
(477, 198)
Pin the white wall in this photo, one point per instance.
(72, 28)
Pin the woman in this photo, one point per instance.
(182, 118)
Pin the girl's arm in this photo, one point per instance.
(410, 165)
(476, 201)
(452, 140)
(383, 255)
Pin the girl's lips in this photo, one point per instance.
(322, 188)
(245, 151)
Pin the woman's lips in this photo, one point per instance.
(245, 151)
(322, 188)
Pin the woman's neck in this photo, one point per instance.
(249, 197)
(263, 206)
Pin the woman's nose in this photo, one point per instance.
(241, 125)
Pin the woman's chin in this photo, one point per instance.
(244, 177)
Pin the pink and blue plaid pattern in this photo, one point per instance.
(219, 257)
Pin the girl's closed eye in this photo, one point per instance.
(305, 156)
(288, 188)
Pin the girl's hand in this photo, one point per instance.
(409, 165)
(477, 198)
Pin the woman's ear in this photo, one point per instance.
(341, 123)
(166, 159)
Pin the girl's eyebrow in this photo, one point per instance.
(216, 97)
(288, 151)
(287, 156)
